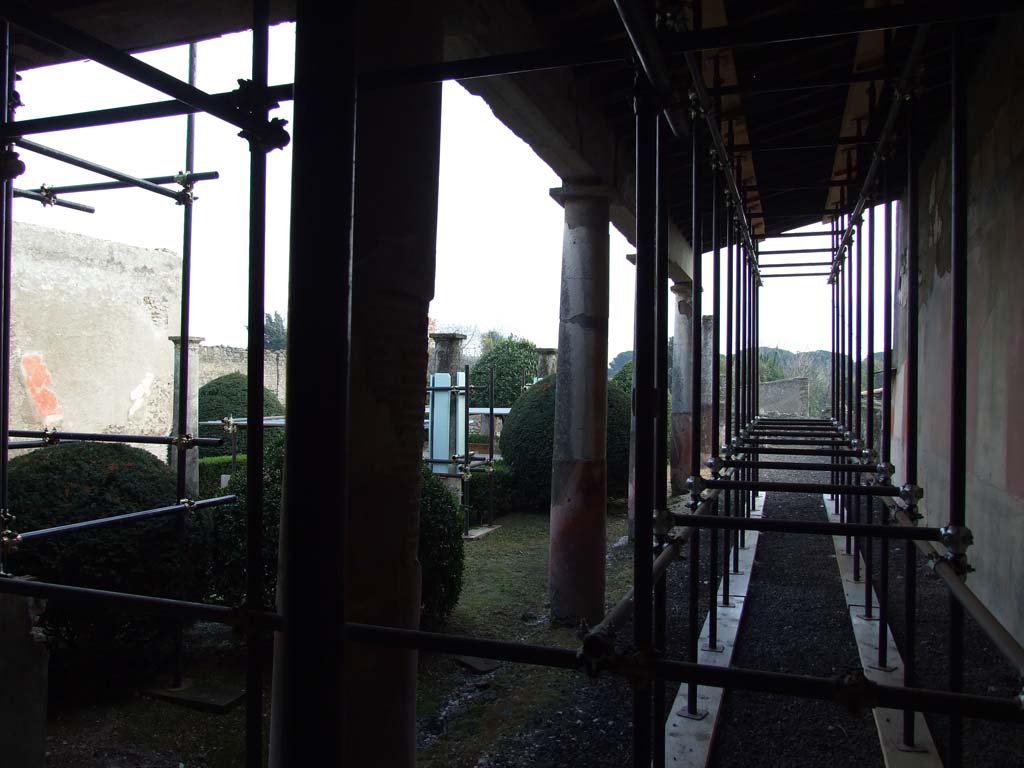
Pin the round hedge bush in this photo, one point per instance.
(440, 549)
(228, 396)
(511, 359)
(74, 482)
(227, 571)
(440, 542)
(528, 436)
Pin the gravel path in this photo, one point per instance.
(795, 620)
(986, 671)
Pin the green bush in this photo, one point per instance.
(210, 470)
(623, 378)
(440, 545)
(228, 528)
(511, 359)
(528, 436)
(476, 498)
(440, 549)
(74, 482)
(228, 396)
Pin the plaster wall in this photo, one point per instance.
(217, 361)
(90, 321)
(784, 397)
(995, 332)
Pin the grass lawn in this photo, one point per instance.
(461, 714)
(504, 596)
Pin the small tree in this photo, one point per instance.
(618, 361)
(275, 335)
(771, 368)
(512, 359)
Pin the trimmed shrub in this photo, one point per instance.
(440, 549)
(512, 359)
(440, 544)
(228, 396)
(228, 528)
(528, 436)
(476, 499)
(74, 482)
(210, 470)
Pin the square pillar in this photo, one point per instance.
(682, 397)
(192, 425)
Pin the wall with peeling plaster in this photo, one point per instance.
(215, 361)
(995, 346)
(784, 397)
(89, 325)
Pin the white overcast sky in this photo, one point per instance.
(499, 231)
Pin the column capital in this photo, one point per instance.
(581, 188)
(448, 336)
(683, 290)
(192, 340)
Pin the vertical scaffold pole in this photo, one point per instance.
(309, 722)
(739, 537)
(884, 544)
(909, 549)
(254, 406)
(697, 166)
(713, 427)
(661, 422)
(183, 356)
(646, 231)
(834, 356)
(728, 536)
(6, 241)
(958, 370)
(858, 385)
(869, 599)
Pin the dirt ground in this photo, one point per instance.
(513, 715)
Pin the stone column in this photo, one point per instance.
(448, 359)
(546, 361)
(192, 425)
(447, 353)
(707, 429)
(395, 239)
(579, 469)
(23, 669)
(682, 405)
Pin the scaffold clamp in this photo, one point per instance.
(9, 541)
(662, 522)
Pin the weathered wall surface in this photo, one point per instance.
(89, 325)
(215, 361)
(995, 332)
(784, 397)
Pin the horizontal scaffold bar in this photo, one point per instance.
(130, 517)
(795, 465)
(31, 194)
(814, 527)
(242, 618)
(852, 690)
(786, 487)
(53, 436)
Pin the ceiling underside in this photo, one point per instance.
(786, 106)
